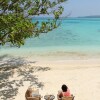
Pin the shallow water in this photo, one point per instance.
(75, 35)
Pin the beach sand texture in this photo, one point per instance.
(81, 76)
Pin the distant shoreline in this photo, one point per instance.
(91, 16)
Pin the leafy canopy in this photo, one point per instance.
(15, 19)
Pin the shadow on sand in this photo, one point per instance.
(24, 72)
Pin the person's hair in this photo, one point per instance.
(64, 88)
(28, 93)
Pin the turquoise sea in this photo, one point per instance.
(75, 35)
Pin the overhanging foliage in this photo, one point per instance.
(16, 24)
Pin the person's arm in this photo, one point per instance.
(59, 95)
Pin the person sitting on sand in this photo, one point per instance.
(30, 93)
(65, 92)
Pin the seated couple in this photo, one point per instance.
(30, 93)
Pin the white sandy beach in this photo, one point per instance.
(82, 77)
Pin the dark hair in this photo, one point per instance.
(64, 88)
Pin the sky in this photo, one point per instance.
(76, 8)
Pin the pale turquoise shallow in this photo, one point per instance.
(74, 35)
